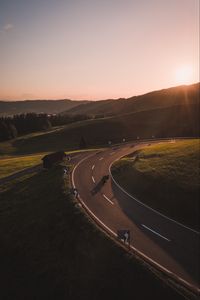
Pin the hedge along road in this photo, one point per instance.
(166, 244)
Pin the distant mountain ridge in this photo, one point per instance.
(180, 95)
(9, 108)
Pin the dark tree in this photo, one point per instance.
(12, 130)
(4, 131)
(82, 144)
(7, 129)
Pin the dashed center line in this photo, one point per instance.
(108, 199)
(93, 179)
(93, 167)
(156, 233)
(100, 158)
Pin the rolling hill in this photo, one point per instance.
(181, 95)
(9, 108)
(50, 249)
(175, 121)
(165, 176)
(167, 113)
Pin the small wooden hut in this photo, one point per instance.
(51, 159)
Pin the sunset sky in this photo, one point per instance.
(96, 49)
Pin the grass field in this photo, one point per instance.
(50, 250)
(157, 99)
(8, 147)
(166, 177)
(167, 122)
(10, 165)
(13, 164)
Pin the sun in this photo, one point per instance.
(184, 74)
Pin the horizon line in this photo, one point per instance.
(96, 100)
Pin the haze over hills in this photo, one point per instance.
(37, 106)
(180, 95)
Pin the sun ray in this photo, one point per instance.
(184, 74)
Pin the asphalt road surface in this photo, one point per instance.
(172, 247)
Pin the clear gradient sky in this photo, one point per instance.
(96, 49)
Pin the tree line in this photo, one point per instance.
(11, 127)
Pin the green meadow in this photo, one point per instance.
(50, 249)
(160, 122)
(166, 177)
(11, 165)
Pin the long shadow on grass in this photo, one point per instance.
(48, 248)
(183, 245)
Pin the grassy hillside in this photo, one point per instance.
(49, 249)
(166, 122)
(163, 98)
(166, 177)
(10, 165)
(181, 95)
(37, 106)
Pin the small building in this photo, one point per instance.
(51, 159)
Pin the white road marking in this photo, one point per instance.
(142, 204)
(93, 179)
(108, 199)
(100, 158)
(93, 167)
(156, 233)
(115, 234)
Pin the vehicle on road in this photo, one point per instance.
(105, 178)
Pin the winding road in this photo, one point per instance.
(166, 244)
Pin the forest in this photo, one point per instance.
(12, 127)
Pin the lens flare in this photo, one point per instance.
(184, 75)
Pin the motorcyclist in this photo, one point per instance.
(105, 178)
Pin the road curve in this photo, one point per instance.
(169, 245)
